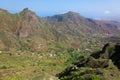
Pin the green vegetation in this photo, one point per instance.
(24, 64)
(32, 48)
(95, 77)
(95, 68)
(27, 66)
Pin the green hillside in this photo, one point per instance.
(35, 48)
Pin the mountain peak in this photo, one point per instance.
(70, 15)
(25, 10)
(73, 13)
(28, 14)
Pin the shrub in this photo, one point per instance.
(95, 77)
(3, 67)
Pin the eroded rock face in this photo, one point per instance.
(99, 64)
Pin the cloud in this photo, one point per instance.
(107, 12)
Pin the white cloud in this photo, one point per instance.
(107, 12)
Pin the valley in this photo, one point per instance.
(35, 48)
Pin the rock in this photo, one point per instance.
(116, 56)
(109, 51)
(98, 66)
(81, 61)
(97, 63)
(92, 62)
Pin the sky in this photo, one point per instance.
(88, 8)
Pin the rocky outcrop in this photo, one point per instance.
(96, 66)
(110, 51)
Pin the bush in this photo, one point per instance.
(95, 77)
(3, 67)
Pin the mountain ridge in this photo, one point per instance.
(26, 29)
(76, 19)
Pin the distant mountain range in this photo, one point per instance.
(26, 29)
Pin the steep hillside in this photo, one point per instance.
(76, 25)
(25, 29)
(33, 48)
(101, 65)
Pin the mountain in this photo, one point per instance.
(27, 31)
(75, 24)
(43, 47)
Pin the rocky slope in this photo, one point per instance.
(75, 24)
(27, 31)
(102, 65)
(51, 38)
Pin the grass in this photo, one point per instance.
(29, 67)
(95, 77)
